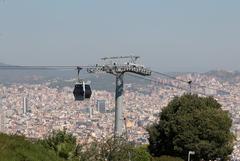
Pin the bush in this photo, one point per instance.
(18, 148)
(63, 143)
(167, 158)
(140, 154)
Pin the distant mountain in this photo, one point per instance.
(8, 76)
(99, 81)
(61, 78)
(224, 75)
(2, 64)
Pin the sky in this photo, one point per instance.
(168, 35)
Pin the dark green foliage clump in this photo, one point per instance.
(192, 123)
(62, 143)
(109, 149)
(18, 148)
(113, 149)
(140, 154)
(167, 158)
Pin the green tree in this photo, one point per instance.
(192, 123)
(113, 149)
(63, 143)
(110, 149)
(140, 154)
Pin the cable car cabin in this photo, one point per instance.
(88, 91)
(78, 92)
(82, 91)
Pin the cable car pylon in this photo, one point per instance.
(118, 69)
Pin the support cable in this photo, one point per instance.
(157, 82)
(41, 67)
(191, 84)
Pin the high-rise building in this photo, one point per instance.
(25, 108)
(2, 122)
(2, 116)
(90, 112)
(101, 106)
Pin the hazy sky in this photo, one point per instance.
(169, 35)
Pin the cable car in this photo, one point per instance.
(81, 89)
(79, 92)
(88, 91)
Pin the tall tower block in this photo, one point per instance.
(25, 105)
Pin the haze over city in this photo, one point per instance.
(168, 35)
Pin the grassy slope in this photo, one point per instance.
(17, 148)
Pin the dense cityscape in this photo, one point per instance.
(36, 109)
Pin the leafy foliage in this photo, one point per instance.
(140, 154)
(192, 123)
(18, 148)
(109, 149)
(167, 158)
(63, 143)
(112, 149)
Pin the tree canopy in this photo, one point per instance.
(192, 123)
(18, 148)
(113, 149)
(106, 149)
(63, 143)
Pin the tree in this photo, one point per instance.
(192, 123)
(63, 143)
(140, 154)
(108, 149)
(113, 149)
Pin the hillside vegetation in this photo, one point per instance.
(17, 148)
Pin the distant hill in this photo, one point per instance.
(2, 64)
(59, 77)
(8, 76)
(99, 81)
(224, 75)
(17, 148)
